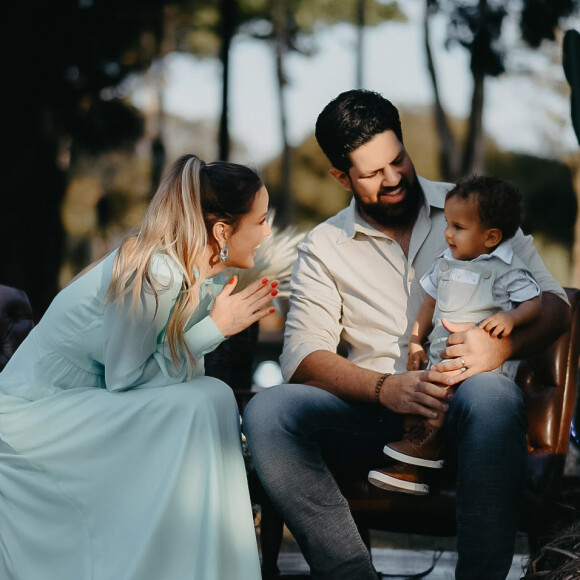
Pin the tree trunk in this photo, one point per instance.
(279, 19)
(361, 19)
(448, 152)
(228, 9)
(473, 153)
(575, 282)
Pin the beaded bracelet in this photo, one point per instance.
(379, 386)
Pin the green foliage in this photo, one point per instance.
(304, 16)
(540, 19)
(478, 26)
(329, 12)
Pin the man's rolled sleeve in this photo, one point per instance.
(313, 322)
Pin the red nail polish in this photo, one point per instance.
(232, 280)
(272, 310)
(274, 284)
(274, 292)
(264, 280)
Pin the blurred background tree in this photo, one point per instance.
(478, 26)
(80, 156)
(66, 58)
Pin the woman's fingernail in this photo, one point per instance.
(272, 310)
(232, 280)
(274, 284)
(274, 292)
(445, 407)
(265, 280)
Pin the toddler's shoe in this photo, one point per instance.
(400, 477)
(422, 445)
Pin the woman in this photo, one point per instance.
(119, 459)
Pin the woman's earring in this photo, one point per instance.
(224, 254)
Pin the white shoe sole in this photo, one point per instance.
(393, 484)
(433, 464)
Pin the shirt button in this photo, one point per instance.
(389, 241)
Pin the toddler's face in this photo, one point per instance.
(465, 235)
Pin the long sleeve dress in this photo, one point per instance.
(114, 465)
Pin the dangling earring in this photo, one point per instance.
(224, 254)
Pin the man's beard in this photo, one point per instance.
(396, 214)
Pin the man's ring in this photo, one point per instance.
(462, 361)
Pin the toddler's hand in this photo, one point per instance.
(499, 325)
(417, 357)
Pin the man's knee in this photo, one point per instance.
(270, 410)
(488, 400)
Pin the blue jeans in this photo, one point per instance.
(288, 427)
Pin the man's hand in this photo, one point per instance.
(416, 392)
(499, 325)
(472, 349)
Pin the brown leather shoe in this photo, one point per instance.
(400, 477)
(422, 445)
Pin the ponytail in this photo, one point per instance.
(173, 224)
(191, 198)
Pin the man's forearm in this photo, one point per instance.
(331, 372)
(416, 392)
(553, 320)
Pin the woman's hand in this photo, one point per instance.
(232, 313)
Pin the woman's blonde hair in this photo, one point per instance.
(191, 198)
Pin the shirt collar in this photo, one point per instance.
(433, 196)
(503, 252)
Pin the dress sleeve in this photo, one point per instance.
(136, 352)
(313, 322)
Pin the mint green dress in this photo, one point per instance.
(114, 465)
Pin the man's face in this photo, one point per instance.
(383, 180)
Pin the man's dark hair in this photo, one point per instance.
(499, 202)
(351, 120)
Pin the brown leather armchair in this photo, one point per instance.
(15, 321)
(548, 380)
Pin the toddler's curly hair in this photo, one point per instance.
(499, 202)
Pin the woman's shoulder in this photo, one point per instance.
(165, 271)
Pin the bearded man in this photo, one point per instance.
(357, 282)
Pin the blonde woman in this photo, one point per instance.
(119, 459)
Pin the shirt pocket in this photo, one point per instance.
(453, 295)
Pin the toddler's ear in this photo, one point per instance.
(493, 237)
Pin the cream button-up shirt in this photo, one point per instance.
(353, 283)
